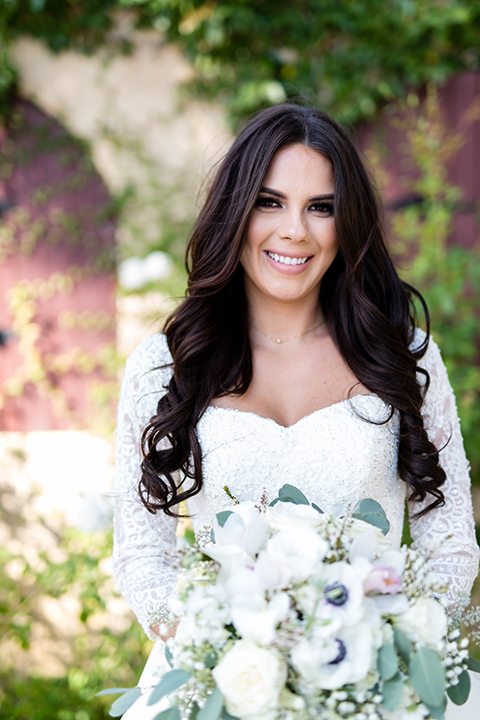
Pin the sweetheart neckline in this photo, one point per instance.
(305, 417)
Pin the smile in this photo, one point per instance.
(285, 260)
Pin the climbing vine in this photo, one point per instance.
(353, 56)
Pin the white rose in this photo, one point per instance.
(300, 549)
(283, 515)
(425, 621)
(250, 679)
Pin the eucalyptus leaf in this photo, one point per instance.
(315, 507)
(168, 656)
(123, 703)
(226, 715)
(377, 520)
(387, 661)
(223, 516)
(459, 693)
(274, 502)
(368, 505)
(427, 676)
(113, 691)
(289, 493)
(169, 682)
(473, 664)
(213, 707)
(169, 714)
(392, 692)
(403, 645)
(438, 713)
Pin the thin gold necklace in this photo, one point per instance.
(279, 340)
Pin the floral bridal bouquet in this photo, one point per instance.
(292, 614)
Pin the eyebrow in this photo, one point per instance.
(276, 193)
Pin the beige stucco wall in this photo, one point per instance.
(133, 100)
(143, 134)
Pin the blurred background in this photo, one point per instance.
(113, 113)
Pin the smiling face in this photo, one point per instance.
(291, 239)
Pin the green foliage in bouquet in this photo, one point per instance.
(344, 624)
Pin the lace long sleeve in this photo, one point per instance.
(450, 529)
(143, 543)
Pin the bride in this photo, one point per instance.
(295, 358)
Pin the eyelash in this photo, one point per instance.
(325, 207)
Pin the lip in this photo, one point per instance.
(288, 269)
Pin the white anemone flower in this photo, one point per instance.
(330, 661)
(342, 596)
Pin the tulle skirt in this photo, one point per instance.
(157, 665)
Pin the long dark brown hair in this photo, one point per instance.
(369, 310)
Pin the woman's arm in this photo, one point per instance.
(448, 530)
(144, 544)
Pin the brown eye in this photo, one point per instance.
(266, 202)
(323, 208)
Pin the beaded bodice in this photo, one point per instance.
(337, 456)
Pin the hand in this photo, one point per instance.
(172, 629)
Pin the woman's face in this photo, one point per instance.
(291, 240)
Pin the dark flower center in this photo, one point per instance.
(336, 594)
(342, 651)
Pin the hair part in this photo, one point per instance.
(369, 310)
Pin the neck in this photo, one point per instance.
(282, 320)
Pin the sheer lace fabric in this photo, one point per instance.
(335, 456)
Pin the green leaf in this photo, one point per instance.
(377, 520)
(473, 664)
(403, 645)
(169, 714)
(289, 493)
(37, 5)
(213, 707)
(427, 676)
(392, 692)
(210, 660)
(458, 694)
(168, 656)
(194, 711)
(223, 516)
(438, 713)
(315, 507)
(368, 506)
(113, 691)
(226, 715)
(169, 682)
(121, 705)
(387, 662)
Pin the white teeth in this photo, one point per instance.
(287, 260)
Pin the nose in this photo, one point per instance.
(293, 226)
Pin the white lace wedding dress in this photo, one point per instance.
(333, 455)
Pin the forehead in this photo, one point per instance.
(300, 166)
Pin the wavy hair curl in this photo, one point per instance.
(369, 310)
